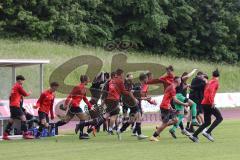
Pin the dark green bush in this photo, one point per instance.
(187, 28)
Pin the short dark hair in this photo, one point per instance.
(175, 78)
(83, 78)
(199, 73)
(205, 76)
(215, 73)
(142, 76)
(184, 74)
(20, 77)
(149, 74)
(54, 84)
(170, 68)
(106, 75)
(119, 72)
(113, 74)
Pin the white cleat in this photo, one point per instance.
(208, 136)
(140, 137)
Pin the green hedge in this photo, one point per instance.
(196, 29)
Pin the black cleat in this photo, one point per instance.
(110, 133)
(190, 130)
(194, 139)
(83, 136)
(77, 128)
(172, 132)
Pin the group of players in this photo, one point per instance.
(115, 89)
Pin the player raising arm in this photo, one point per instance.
(167, 113)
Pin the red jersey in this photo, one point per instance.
(144, 88)
(166, 80)
(115, 89)
(210, 91)
(169, 93)
(16, 94)
(45, 102)
(77, 95)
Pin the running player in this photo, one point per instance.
(182, 96)
(140, 92)
(97, 86)
(125, 99)
(45, 106)
(209, 109)
(168, 114)
(16, 112)
(73, 101)
(166, 79)
(196, 94)
(115, 89)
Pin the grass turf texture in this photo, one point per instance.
(60, 53)
(226, 147)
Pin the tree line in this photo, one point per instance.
(195, 29)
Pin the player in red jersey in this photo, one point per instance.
(166, 80)
(45, 106)
(209, 109)
(167, 113)
(16, 112)
(114, 91)
(73, 101)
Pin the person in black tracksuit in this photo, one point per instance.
(129, 85)
(196, 94)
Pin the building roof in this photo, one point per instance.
(21, 62)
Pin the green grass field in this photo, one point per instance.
(104, 147)
(60, 53)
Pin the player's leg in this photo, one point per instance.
(165, 115)
(132, 119)
(63, 121)
(207, 122)
(139, 126)
(193, 107)
(84, 121)
(8, 129)
(200, 114)
(111, 110)
(24, 128)
(180, 115)
(175, 126)
(215, 111)
(42, 124)
(14, 114)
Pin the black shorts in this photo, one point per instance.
(124, 108)
(112, 107)
(167, 115)
(74, 110)
(42, 116)
(16, 112)
(134, 110)
(199, 109)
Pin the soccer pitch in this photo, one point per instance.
(106, 147)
